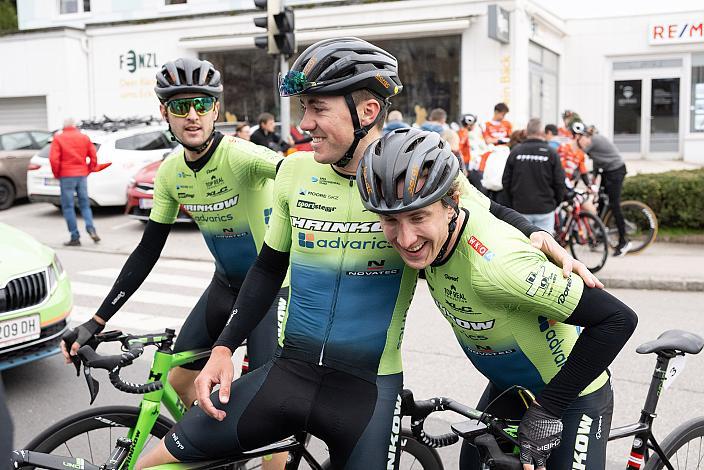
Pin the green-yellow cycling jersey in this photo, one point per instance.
(505, 301)
(229, 198)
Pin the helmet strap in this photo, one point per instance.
(360, 132)
(450, 230)
(197, 149)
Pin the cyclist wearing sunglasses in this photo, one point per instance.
(225, 183)
(337, 372)
(513, 313)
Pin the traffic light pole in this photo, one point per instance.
(285, 103)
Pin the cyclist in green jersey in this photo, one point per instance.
(513, 313)
(337, 372)
(225, 183)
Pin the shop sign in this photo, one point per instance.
(499, 22)
(676, 32)
(131, 61)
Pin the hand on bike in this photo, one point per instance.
(79, 336)
(538, 435)
(218, 370)
(546, 243)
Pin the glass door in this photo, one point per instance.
(627, 115)
(665, 115)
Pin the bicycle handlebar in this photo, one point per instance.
(419, 410)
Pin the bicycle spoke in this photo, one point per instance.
(70, 454)
(90, 447)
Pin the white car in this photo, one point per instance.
(127, 151)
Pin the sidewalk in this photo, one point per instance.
(661, 266)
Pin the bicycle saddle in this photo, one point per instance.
(678, 340)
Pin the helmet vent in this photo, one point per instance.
(412, 146)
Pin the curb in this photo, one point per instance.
(679, 285)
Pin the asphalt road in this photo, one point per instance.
(41, 393)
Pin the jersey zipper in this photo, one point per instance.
(337, 281)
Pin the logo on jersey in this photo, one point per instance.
(581, 443)
(306, 192)
(216, 192)
(375, 268)
(307, 240)
(211, 170)
(562, 298)
(466, 309)
(214, 207)
(454, 294)
(558, 354)
(214, 182)
(480, 248)
(323, 180)
(467, 325)
(335, 227)
(487, 351)
(539, 282)
(451, 278)
(185, 195)
(182, 174)
(395, 431)
(230, 233)
(314, 205)
(267, 215)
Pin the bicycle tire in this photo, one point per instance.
(58, 436)
(588, 241)
(641, 225)
(414, 455)
(680, 437)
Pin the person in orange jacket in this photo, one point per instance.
(498, 129)
(68, 153)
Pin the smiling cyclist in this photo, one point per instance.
(513, 313)
(225, 183)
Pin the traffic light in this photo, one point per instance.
(285, 37)
(268, 42)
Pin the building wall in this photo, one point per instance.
(54, 65)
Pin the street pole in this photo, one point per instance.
(285, 103)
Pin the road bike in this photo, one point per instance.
(640, 220)
(582, 231)
(113, 437)
(682, 449)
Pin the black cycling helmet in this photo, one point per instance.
(187, 75)
(468, 119)
(338, 67)
(404, 156)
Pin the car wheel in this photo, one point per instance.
(7, 194)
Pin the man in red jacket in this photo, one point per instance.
(69, 151)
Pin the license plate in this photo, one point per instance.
(19, 330)
(51, 182)
(145, 203)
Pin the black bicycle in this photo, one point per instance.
(682, 449)
(113, 437)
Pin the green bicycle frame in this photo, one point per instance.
(150, 406)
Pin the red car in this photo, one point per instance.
(140, 193)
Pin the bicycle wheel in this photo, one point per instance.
(641, 225)
(414, 455)
(588, 241)
(684, 447)
(92, 433)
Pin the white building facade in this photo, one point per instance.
(639, 79)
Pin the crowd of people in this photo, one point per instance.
(531, 170)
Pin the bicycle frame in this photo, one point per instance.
(643, 440)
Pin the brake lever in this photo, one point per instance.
(93, 385)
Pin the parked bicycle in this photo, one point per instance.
(582, 231)
(640, 220)
(113, 437)
(495, 438)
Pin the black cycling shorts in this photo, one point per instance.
(586, 425)
(207, 320)
(357, 419)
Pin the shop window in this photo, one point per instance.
(543, 68)
(74, 6)
(697, 114)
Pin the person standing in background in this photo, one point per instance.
(534, 181)
(498, 130)
(266, 134)
(67, 155)
(243, 131)
(394, 121)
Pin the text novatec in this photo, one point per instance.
(214, 207)
(335, 227)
